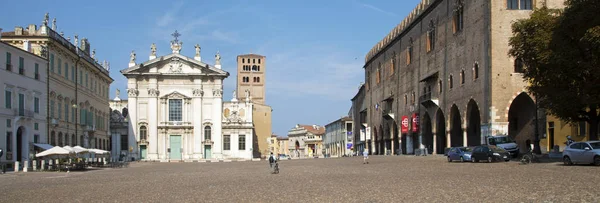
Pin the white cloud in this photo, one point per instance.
(167, 18)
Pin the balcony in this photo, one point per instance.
(90, 128)
(387, 110)
(24, 113)
(9, 67)
(429, 100)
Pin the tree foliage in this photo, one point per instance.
(561, 49)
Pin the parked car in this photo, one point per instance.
(582, 153)
(459, 153)
(490, 153)
(504, 142)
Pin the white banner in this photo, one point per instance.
(362, 135)
(368, 133)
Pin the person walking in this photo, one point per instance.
(365, 157)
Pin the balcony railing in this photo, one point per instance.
(24, 113)
(90, 128)
(175, 123)
(428, 98)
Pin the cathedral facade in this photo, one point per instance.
(175, 107)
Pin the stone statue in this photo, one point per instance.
(94, 54)
(247, 94)
(46, 19)
(118, 92)
(218, 59)
(234, 95)
(153, 50)
(76, 39)
(132, 57)
(54, 24)
(197, 49)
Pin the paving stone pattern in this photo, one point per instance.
(384, 179)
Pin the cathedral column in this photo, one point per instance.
(153, 118)
(132, 92)
(217, 110)
(197, 120)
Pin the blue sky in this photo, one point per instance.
(315, 49)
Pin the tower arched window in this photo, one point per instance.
(462, 77)
(257, 79)
(457, 16)
(409, 51)
(431, 37)
(258, 61)
(243, 60)
(143, 133)
(440, 87)
(207, 133)
(253, 60)
(450, 82)
(519, 66)
(475, 70)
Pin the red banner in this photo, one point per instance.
(415, 122)
(404, 124)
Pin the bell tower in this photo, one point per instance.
(251, 78)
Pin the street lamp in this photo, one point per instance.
(536, 143)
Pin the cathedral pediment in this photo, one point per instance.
(174, 64)
(175, 95)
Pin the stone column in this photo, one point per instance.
(153, 117)
(464, 136)
(197, 120)
(217, 105)
(132, 92)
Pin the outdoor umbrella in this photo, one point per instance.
(54, 151)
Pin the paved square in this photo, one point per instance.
(385, 179)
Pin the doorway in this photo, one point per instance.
(207, 152)
(175, 145)
(143, 152)
(20, 133)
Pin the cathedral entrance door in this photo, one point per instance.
(175, 143)
(143, 152)
(207, 152)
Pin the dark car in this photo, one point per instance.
(490, 153)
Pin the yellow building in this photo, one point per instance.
(283, 143)
(273, 144)
(557, 131)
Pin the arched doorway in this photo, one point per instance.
(73, 140)
(474, 124)
(297, 147)
(60, 139)
(395, 139)
(521, 115)
(440, 132)
(427, 133)
(20, 136)
(456, 134)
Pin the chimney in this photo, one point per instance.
(18, 30)
(32, 29)
(26, 45)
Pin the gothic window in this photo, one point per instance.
(475, 71)
(52, 139)
(450, 82)
(253, 60)
(257, 79)
(207, 133)
(258, 61)
(243, 60)
(378, 76)
(462, 77)
(457, 16)
(258, 68)
(254, 68)
(226, 142)
(143, 133)
(412, 98)
(431, 37)
(440, 86)
(519, 65)
(405, 100)
(175, 110)
(393, 64)
(409, 51)
(242, 142)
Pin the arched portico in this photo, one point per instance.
(22, 141)
(456, 132)
(440, 132)
(473, 124)
(427, 132)
(521, 116)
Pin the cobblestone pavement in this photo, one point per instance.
(385, 179)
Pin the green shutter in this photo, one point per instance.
(66, 71)
(52, 62)
(8, 56)
(59, 66)
(8, 99)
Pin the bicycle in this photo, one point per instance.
(276, 168)
(529, 157)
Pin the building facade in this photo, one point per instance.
(77, 88)
(359, 116)
(23, 77)
(121, 144)
(175, 106)
(306, 141)
(338, 138)
(443, 78)
(238, 130)
(273, 144)
(283, 145)
(251, 85)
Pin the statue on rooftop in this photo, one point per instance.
(132, 57)
(153, 50)
(218, 59)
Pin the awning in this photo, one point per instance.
(43, 146)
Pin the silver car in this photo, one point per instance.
(582, 153)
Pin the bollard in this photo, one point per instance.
(34, 165)
(25, 166)
(16, 166)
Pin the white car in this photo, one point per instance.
(582, 153)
